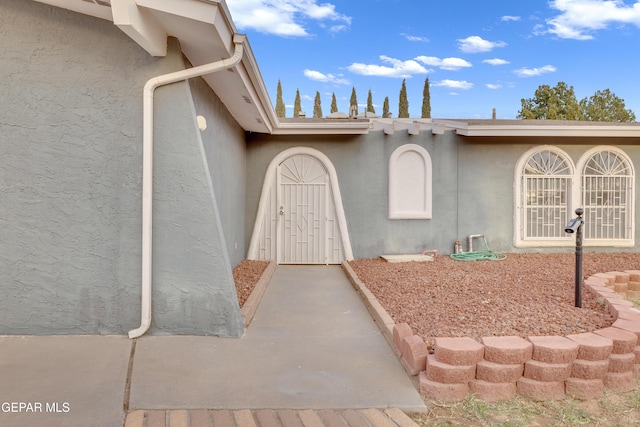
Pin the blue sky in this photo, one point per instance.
(478, 55)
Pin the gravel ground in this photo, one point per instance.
(523, 295)
(246, 275)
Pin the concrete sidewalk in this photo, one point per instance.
(312, 347)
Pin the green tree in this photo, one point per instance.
(403, 103)
(353, 102)
(370, 106)
(551, 103)
(280, 108)
(317, 107)
(385, 107)
(334, 103)
(426, 100)
(297, 108)
(605, 106)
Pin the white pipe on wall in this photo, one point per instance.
(471, 237)
(147, 166)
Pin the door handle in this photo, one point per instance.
(281, 210)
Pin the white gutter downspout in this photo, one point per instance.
(147, 166)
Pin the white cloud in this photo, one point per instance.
(338, 28)
(445, 64)
(510, 18)
(454, 84)
(493, 86)
(532, 72)
(412, 38)
(396, 68)
(496, 61)
(579, 18)
(475, 44)
(325, 78)
(284, 17)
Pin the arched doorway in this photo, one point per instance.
(300, 217)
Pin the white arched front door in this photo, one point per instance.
(306, 224)
(300, 217)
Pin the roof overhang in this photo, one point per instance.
(322, 127)
(205, 31)
(543, 128)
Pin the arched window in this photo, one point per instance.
(607, 194)
(410, 183)
(543, 194)
(548, 189)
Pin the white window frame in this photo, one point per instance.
(575, 199)
(520, 239)
(423, 191)
(628, 178)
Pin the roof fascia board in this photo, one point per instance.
(138, 24)
(318, 128)
(547, 131)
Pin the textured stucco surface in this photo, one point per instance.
(70, 185)
(361, 163)
(193, 281)
(473, 187)
(225, 149)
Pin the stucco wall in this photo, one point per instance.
(70, 175)
(473, 187)
(361, 163)
(225, 148)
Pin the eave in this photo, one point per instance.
(205, 31)
(322, 127)
(544, 128)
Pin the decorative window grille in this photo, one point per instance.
(607, 194)
(550, 188)
(546, 194)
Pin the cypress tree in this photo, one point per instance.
(280, 109)
(297, 108)
(334, 103)
(370, 107)
(426, 100)
(317, 108)
(385, 107)
(353, 102)
(403, 104)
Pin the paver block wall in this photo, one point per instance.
(540, 367)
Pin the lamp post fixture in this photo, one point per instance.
(575, 226)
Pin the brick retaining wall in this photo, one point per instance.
(539, 367)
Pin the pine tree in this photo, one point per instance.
(297, 108)
(551, 103)
(334, 104)
(353, 102)
(385, 107)
(317, 108)
(426, 100)
(280, 109)
(605, 106)
(403, 103)
(370, 107)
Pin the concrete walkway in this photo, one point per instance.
(311, 355)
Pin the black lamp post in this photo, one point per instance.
(575, 226)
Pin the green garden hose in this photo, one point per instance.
(480, 255)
